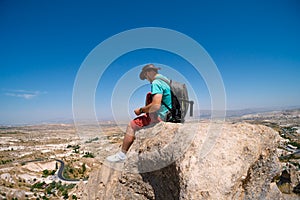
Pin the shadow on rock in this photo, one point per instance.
(165, 182)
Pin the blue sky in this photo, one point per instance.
(255, 45)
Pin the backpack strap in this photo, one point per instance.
(166, 105)
(165, 80)
(169, 83)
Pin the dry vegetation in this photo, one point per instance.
(28, 166)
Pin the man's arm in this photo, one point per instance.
(152, 107)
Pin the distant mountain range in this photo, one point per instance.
(241, 112)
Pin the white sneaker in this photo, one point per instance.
(118, 157)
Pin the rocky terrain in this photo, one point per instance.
(287, 124)
(28, 159)
(243, 164)
(250, 157)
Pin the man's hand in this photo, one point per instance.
(151, 107)
(137, 111)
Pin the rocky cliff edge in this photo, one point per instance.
(193, 161)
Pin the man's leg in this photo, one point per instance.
(127, 142)
(128, 138)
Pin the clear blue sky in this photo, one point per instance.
(255, 45)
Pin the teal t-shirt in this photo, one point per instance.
(161, 87)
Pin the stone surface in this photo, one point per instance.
(193, 161)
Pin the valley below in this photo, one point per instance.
(49, 161)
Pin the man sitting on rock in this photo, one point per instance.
(154, 111)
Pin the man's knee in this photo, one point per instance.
(130, 130)
(130, 126)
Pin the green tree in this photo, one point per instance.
(65, 194)
(45, 172)
(83, 168)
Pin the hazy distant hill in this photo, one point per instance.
(242, 112)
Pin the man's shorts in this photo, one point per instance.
(144, 120)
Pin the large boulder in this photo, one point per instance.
(195, 160)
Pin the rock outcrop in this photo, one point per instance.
(193, 161)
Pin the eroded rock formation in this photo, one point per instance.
(193, 161)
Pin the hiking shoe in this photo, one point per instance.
(118, 157)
